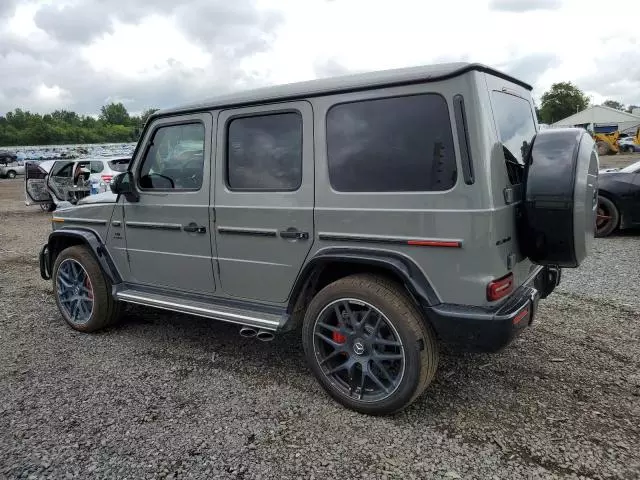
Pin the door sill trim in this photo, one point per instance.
(264, 320)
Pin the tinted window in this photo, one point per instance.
(514, 119)
(391, 144)
(265, 152)
(175, 158)
(97, 167)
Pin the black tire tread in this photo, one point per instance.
(394, 294)
(108, 309)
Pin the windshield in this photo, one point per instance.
(514, 119)
(633, 168)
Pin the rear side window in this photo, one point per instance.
(264, 152)
(514, 118)
(400, 144)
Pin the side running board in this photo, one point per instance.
(271, 320)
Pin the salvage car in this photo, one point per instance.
(53, 183)
(10, 165)
(618, 199)
(383, 214)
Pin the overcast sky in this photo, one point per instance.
(81, 54)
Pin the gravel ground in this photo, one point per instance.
(169, 396)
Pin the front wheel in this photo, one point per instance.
(48, 207)
(82, 292)
(607, 217)
(368, 346)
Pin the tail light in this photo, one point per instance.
(106, 178)
(500, 288)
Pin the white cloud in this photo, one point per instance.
(162, 52)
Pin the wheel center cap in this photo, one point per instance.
(358, 347)
(76, 290)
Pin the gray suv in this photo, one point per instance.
(383, 213)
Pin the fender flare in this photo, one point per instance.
(91, 239)
(412, 276)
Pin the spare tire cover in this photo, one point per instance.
(561, 191)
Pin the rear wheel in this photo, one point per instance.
(11, 174)
(82, 292)
(368, 346)
(607, 217)
(629, 149)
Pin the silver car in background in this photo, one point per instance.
(54, 183)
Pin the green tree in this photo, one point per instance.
(114, 114)
(146, 114)
(613, 104)
(562, 100)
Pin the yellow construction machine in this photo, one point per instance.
(607, 143)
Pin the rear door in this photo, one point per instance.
(264, 198)
(34, 184)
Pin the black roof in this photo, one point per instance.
(342, 84)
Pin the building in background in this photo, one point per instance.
(601, 119)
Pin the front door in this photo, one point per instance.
(167, 230)
(264, 198)
(35, 187)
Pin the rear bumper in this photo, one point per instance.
(491, 329)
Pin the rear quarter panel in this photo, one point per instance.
(470, 214)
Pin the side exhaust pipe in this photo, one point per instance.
(248, 332)
(265, 335)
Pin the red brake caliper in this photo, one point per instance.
(87, 284)
(338, 337)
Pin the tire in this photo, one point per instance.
(629, 149)
(603, 148)
(11, 174)
(608, 217)
(564, 167)
(48, 207)
(393, 319)
(104, 309)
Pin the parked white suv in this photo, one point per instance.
(54, 182)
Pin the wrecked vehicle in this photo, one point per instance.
(55, 183)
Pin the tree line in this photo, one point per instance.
(114, 124)
(565, 99)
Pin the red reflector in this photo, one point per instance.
(106, 178)
(338, 337)
(518, 318)
(433, 243)
(500, 288)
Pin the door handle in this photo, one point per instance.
(194, 228)
(293, 234)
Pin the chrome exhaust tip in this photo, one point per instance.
(248, 332)
(265, 335)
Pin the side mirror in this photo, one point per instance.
(123, 184)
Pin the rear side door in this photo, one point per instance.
(34, 184)
(264, 198)
(167, 229)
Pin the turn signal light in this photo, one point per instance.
(500, 288)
